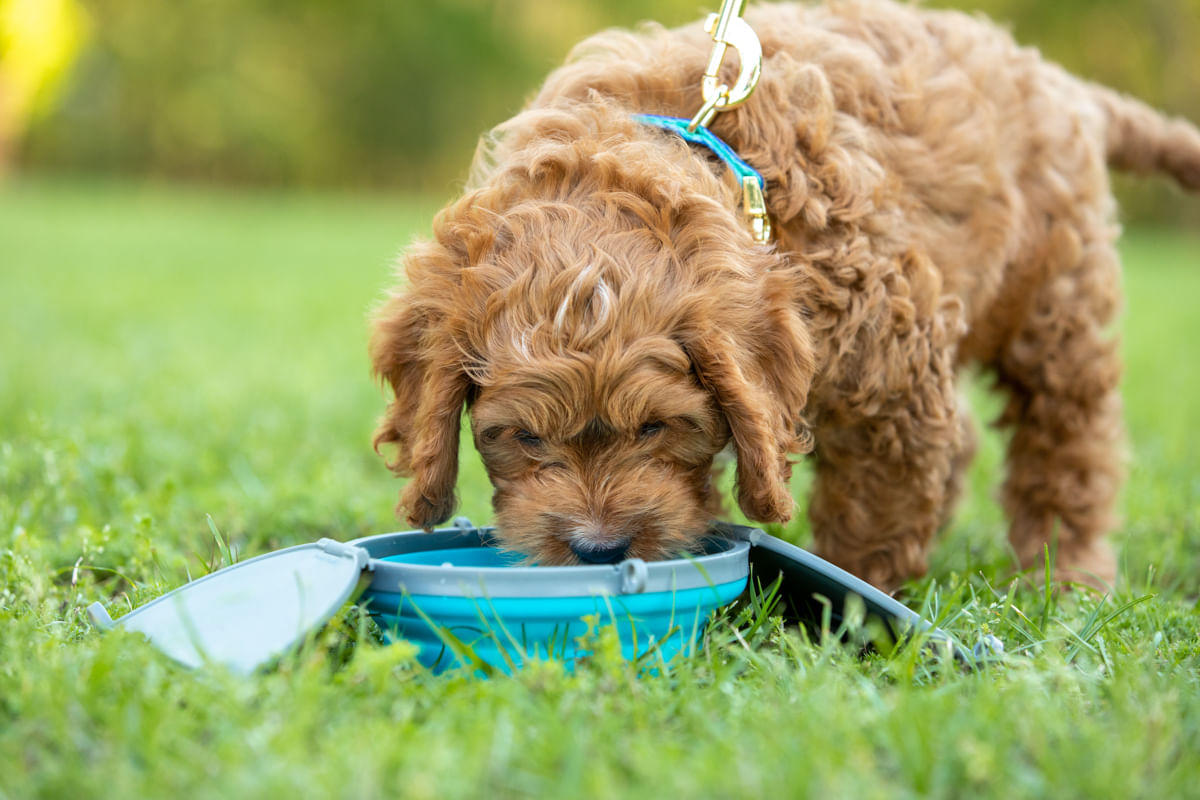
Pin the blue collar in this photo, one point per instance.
(704, 136)
(753, 185)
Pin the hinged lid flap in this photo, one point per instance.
(244, 615)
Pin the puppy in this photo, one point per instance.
(939, 198)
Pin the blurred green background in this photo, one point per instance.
(392, 94)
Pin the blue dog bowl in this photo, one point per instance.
(465, 602)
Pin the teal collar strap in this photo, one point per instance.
(753, 202)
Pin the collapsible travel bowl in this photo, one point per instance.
(462, 600)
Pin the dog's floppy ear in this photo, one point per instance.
(760, 380)
(411, 351)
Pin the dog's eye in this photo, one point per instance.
(651, 428)
(528, 439)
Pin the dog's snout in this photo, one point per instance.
(599, 553)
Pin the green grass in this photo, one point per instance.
(169, 355)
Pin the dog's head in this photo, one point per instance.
(610, 333)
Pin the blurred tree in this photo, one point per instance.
(394, 93)
(38, 41)
(360, 92)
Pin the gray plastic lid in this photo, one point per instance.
(245, 615)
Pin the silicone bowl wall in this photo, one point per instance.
(459, 598)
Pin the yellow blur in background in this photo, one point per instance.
(39, 42)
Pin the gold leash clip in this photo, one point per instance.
(754, 206)
(728, 29)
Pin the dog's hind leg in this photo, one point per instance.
(1061, 370)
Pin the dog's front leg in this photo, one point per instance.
(880, 492)
(889, 463)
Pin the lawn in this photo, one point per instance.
(168, 357)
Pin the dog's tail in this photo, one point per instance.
(1141, 139)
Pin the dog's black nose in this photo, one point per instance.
(600, 553)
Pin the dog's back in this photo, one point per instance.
(933, 128)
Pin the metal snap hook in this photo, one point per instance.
(728, 29)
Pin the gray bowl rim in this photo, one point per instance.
(730, 563)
